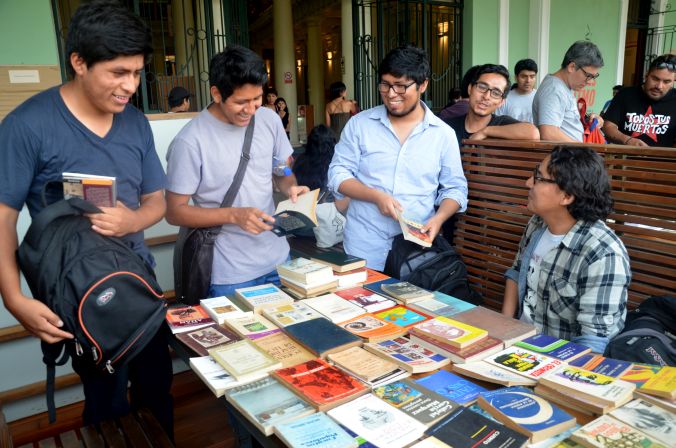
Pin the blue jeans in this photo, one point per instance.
(224, 290)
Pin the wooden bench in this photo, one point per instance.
(139, 430)
(643, 182)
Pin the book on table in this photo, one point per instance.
(523, 411)
(314, 431)
(499, 326)
(441, 305)
(402, 316)
(373, 276)
(266, 403)
(371, 328)
(664, 403)
(351, 278)
(290, 313)
(449, 331)
(406, 292)
(484, 371)
(412, 231)
(452, 386)
(377, 286)
(216, 378)
(334, 307)
(653, 420)
(244, 360)
(465, 428)
(572, 399)
(284, 349)
(662, 383)
(424, 405)
(607, 431)
(252, 327)
(378, 422)
(321, 336)
(600, 364)
(304, 290)
(303, 270)
(99, 190)
(337, 259)
(363, 298)
(258, 297)
(475, 352)
(553, 347)
(182, 318)
(203, 339)
(322, 385)
(293, 217)
(409, 355)
(367, 367)
(524, 362)
(221, 308)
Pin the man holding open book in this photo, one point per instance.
(394, 157)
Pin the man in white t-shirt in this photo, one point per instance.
(519, 102)
(202, 162)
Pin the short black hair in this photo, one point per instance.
(102, 30)
(270, 90)
(454, 94)
(667, 61)
(281, 100)
(492, 68)
(618, 87)
(580, 172)
(583, 53)
(525, 64)
(234, 67)
(311, 167)
(336, 89)
(406, 61)
(468, 79)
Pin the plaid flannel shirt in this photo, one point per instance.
(582, 286)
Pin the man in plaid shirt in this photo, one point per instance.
(571, 273)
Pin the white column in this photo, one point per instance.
(622, 38)
(347, 46)
(315, 71)
(538, 42)
(656, 21)
(503, 33)
(285, 63)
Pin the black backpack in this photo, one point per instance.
(436, 268)
(646, 338)
(104, 293)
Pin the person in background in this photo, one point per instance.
(555, 111)
(339, 109)
(89, 125)
(461, 106)
(283, 112)
(616, 90)
(179, 100)
(396, 157)
(571, 272)
(641, 116)
(270, 98)
(519, 102)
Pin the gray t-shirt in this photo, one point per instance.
(554, 104)
(202, 161)
(518, 106)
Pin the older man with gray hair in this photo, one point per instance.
(555, 110)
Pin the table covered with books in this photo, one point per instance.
(343, 356)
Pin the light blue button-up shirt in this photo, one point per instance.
(420, 174)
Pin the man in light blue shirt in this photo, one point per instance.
(398, 156)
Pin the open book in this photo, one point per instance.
(295, 217)
(99, 190)
(411, 231)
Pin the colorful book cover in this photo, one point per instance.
(322, 384)
(372, 328)
(553, 347)
(314, 431)
(600, 364)
(321, 336)
(290, 313)
(252, 327)
(487, 372)
(186, 318)
(376, 286)
(424, 405)
(258, 297)
(649, 418)
(412, 357)
(402, 316)
(221, 308)
(519, 408)
(452, 386)
(442, 305)
(662, 384)
(606, 431)
(524, 362)
(475, 352)
(374, 276)
(498, 325)
(449, 331)
(406, 292)
(601, 388)
(368, 300)
(203, 339)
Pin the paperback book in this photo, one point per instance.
(662, 384)
(291, 313)
(338, 260)
(441, 305)
(324, 386)
(252, 327)
(449, 331)
(412, 231)
(484, 371)
(475, 352)
(656, 422)
(182, 318)
(215, 376)
(348, 279)
(499, 326)
(266, 403)
(410, 356)
(524, 362)
(553, 347)
(284, 349)
(222, 308)
(639, 374)
(367, 367)
(334, 308)
(406, 292)
(600, 364)
(314, 431)
(376, 276)
(377, 286)
(99, 190)
(371, 328)
(572, 399)
(369, 301)
(203, 339)
(606, 431)
(452, 386)
(244, 360)
(602, 389)
(304, 290)
(263, 296)
(294, 217)
(521, 410)
(322, 337)
(402, 316)
(306, 271)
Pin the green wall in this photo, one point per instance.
(519, 27)
(480, 32)
(27, 33)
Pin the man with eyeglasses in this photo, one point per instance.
(555, 111)
(571, 273)
(487, 92)
(394, 157)
(641, 116)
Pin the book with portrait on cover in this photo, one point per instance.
(371, 328)
(203, 339)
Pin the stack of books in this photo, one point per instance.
(307, 278)
(256, 298)
(184, 318)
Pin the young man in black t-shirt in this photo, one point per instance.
(487, 92)
(642, 116)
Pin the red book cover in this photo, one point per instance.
(324, 385)
(187, 316)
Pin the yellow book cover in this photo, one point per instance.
(449, 331)
(663, 384)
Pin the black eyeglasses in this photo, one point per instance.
(670, 65)
(537, 177)
(496, 93)
(588, 75)
(399, 89)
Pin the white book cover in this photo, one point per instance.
(334, 308)
(381, 424)
(263, 296)
(217, 379)
(605, 388)
(649, 418)
(493, 374)
(306, 271)
(221, 308)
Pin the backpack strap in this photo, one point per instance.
(53, 355)
(70, 207)
(241, 168)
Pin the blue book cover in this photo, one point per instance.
(376, 286)
(321, 336)
(524, 408)
(314, 431)
(454, 305)
(452, 386)
(401, 316)
(600, 364)
(553, 346)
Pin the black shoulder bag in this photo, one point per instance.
(194, 250)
